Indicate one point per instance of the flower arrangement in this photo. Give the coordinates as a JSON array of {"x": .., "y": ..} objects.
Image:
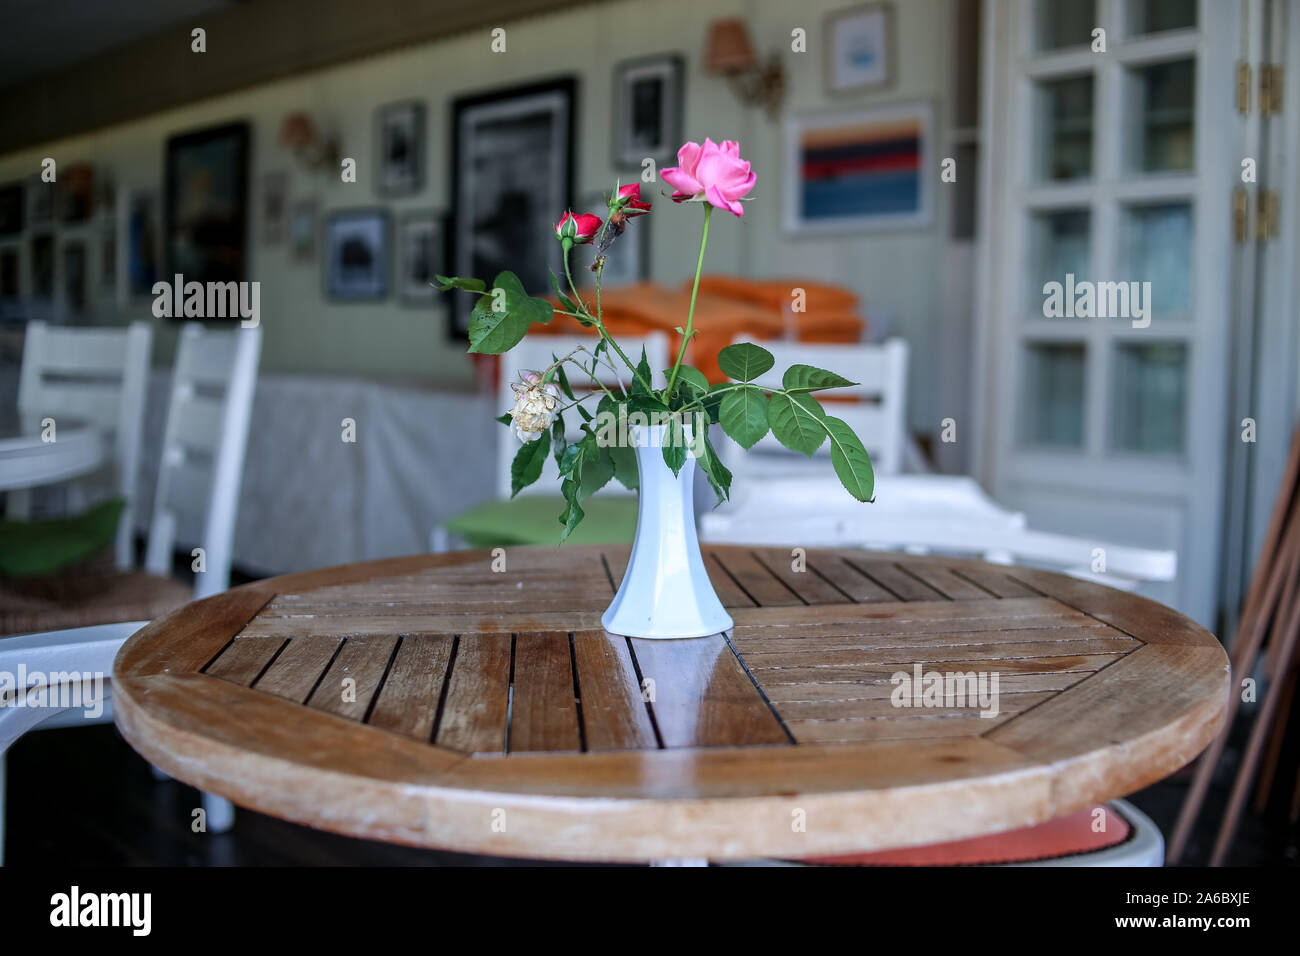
[{"x": 716, "y": 177}]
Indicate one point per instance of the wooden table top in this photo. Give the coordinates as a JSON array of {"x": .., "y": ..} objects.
[{"x": 432, "y": 701}]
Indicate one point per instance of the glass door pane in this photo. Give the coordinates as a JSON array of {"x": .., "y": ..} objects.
[
  {"x": 1060, "y": 245},
  {"x": 1150, "y": 395},
  {"x": 1052, "y": 403},
  {"x": 1064, "y": 123},
  {"x": 1064, "y": 23},
  {"x": 1162, "y": 103},
  {"x": 1156, "y": 244},
  {"x": 1157, "y": 16}
]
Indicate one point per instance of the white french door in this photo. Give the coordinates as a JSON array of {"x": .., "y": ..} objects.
[{"x": 1113, "y": 165}]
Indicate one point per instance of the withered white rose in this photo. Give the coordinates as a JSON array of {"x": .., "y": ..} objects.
[{"x": 534, "y": 409}]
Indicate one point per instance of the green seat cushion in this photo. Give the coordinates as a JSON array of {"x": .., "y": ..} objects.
[
  {"x": 535, "y": 519},
  {"x": 31, "y": 549}
]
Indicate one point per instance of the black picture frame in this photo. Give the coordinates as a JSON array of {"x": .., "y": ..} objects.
[
  {"x": 12, "y": 209},
  {"x": 507, "y": 224},
  {"x": 635, "y": 80},
  {"x": 400, "y": 162},
  {"x": 415, "y": 287},
  {"x": 205, "y": 238},
  {"x": 357, "y": 287}
]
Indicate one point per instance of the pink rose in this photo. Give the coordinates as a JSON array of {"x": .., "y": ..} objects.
[
  {"x": 629, "y": 201},
  {"x": 711, "y": 173},
  {"x": 580, "y": 228}
]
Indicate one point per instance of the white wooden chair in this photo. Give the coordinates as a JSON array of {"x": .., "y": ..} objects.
[
  {"x": 95, "y": 376},
  {"x": 535, "y": 353},
  {"x": 919, "y": 514},
  {"x": 874, "y": 408},
  {"x": 204, "y": 440}
]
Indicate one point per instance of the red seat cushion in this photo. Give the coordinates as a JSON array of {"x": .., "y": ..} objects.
[{"x": 1063, "y": 836}]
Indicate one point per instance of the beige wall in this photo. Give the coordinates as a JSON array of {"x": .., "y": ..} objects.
[{"x": 897, "y": 272}]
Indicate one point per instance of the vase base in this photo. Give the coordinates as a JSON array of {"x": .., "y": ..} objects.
[{"x": 640, "y": 630}]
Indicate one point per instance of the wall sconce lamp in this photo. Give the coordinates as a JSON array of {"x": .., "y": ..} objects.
[
  {"x": 299, "y": 133},
  {"x": 730, "y": 54}
]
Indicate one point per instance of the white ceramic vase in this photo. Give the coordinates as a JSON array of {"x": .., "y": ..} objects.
[{"x": 665, "y": 592}]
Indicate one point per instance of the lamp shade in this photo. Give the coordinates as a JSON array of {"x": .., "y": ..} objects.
[{"x": 729, "y": 48}]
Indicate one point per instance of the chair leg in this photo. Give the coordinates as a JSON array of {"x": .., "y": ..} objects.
[
  {"x": 220, "y": 813},
  {"x": 3, "y": 757},
  {"x": 438, "y": 542}
]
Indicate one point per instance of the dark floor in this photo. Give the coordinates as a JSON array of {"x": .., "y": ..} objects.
[{"x": 82, "y": 796}]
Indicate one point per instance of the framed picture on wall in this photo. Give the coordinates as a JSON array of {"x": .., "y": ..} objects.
[
  {"x": 512, "y": 176},
  {"x": 11, "y": 209},
  {"x": 10, "y": 282},
  {"x": 40, "y": 201},
  {"x": 141, "y": 244},
  {"x": 356, "y": 244},
  {"x": 647, "y": 120},
  {"x": 860, "y": 49},
  {"x": 42, "y": 261},
  {"x": 273, "y": 206},
  {"x": 206, "y": 204},
  {"x": 859, "y": 170},
  {"x": 628, "y": 258},
  {"x": 302, "y": 229},
  {"x": 401, "y": 148},
  {"x": 421, "y": 256},
  {"x": 74, "y": 276}
]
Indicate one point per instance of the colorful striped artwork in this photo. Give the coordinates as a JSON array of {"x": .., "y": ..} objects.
[{"x": 864, "y": 169}]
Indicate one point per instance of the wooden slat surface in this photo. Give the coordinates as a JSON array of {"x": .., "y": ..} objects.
[
  {"x": 544, "y": 714},
  {"x": 507, "y": 682}
]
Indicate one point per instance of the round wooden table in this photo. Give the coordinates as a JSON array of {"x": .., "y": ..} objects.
[
  {"x": 437, "y": 701},
  {"x": 28, "y": 461}
]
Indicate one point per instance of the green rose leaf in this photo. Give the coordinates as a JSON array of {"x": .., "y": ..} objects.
[
  {"x": 597, "y": 470},
  {"x": 456, "y": 282},
  {"x": 558, "y": 442},
  {"x": 744, "y": 361},
  {"x": 527, "y": 466},
  {"x": 491, "y": 331},
  {"x": 805, "y": 378},
  {"x": 569, "y": 304},
  {"x": 717, "y": 473},
  {"x": 573, "y": 513},
  {"x": 625, "y": 470},
  {"x": 743, "y": 415},
  {"x": 796, "y": 422},
  {"x": 674, "y": 445},
  {"x": 691, "y": 383},
  {"x": 850, "y": 459},
  {"x": 562, "y": 379},
  {"x": 642, "y": 374},
  {"x": 505, "y": 419}
]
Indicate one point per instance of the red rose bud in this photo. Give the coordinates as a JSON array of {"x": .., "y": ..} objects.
[
  {"x": 628, "y": 201},
  {"x": 579, "y": 229}
]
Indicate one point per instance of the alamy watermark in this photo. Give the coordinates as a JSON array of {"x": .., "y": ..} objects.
[
  {"x": 1085, "y": 299},
  {"x": 946, "y": 690},
  {"x": 636, "y": 429},
  {"x": 60, "y": 690},
  {"x": 208, "y": 300}
]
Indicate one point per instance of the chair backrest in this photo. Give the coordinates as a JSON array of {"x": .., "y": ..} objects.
[
  {"x": 97, "y": 377},
  {"x": 875, "y": 411},
  {"x": 534, "y": 354},
  {"x": 203, "y": 449}
]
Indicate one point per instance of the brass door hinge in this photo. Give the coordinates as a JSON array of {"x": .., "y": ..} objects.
[
  {"x": 1239, "y": 214},
  {"x": 1270, "y": 89},
  {"x": 1266, "y": 215},
  {"x": 1243, "y": 87}
]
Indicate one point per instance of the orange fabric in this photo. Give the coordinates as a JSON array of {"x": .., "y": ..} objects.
[
  {"x": 727, "y": 306},
  {"x": 774, "y": 294},
  {"x": 1064, "y": 836}
]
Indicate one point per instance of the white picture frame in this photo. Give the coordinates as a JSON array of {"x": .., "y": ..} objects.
[
  {"x": 860, "y": 49},
  {"x": 859, "y": 170}
]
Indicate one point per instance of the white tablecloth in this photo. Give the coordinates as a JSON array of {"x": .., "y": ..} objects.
[{"x": 309, "y": 499}]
